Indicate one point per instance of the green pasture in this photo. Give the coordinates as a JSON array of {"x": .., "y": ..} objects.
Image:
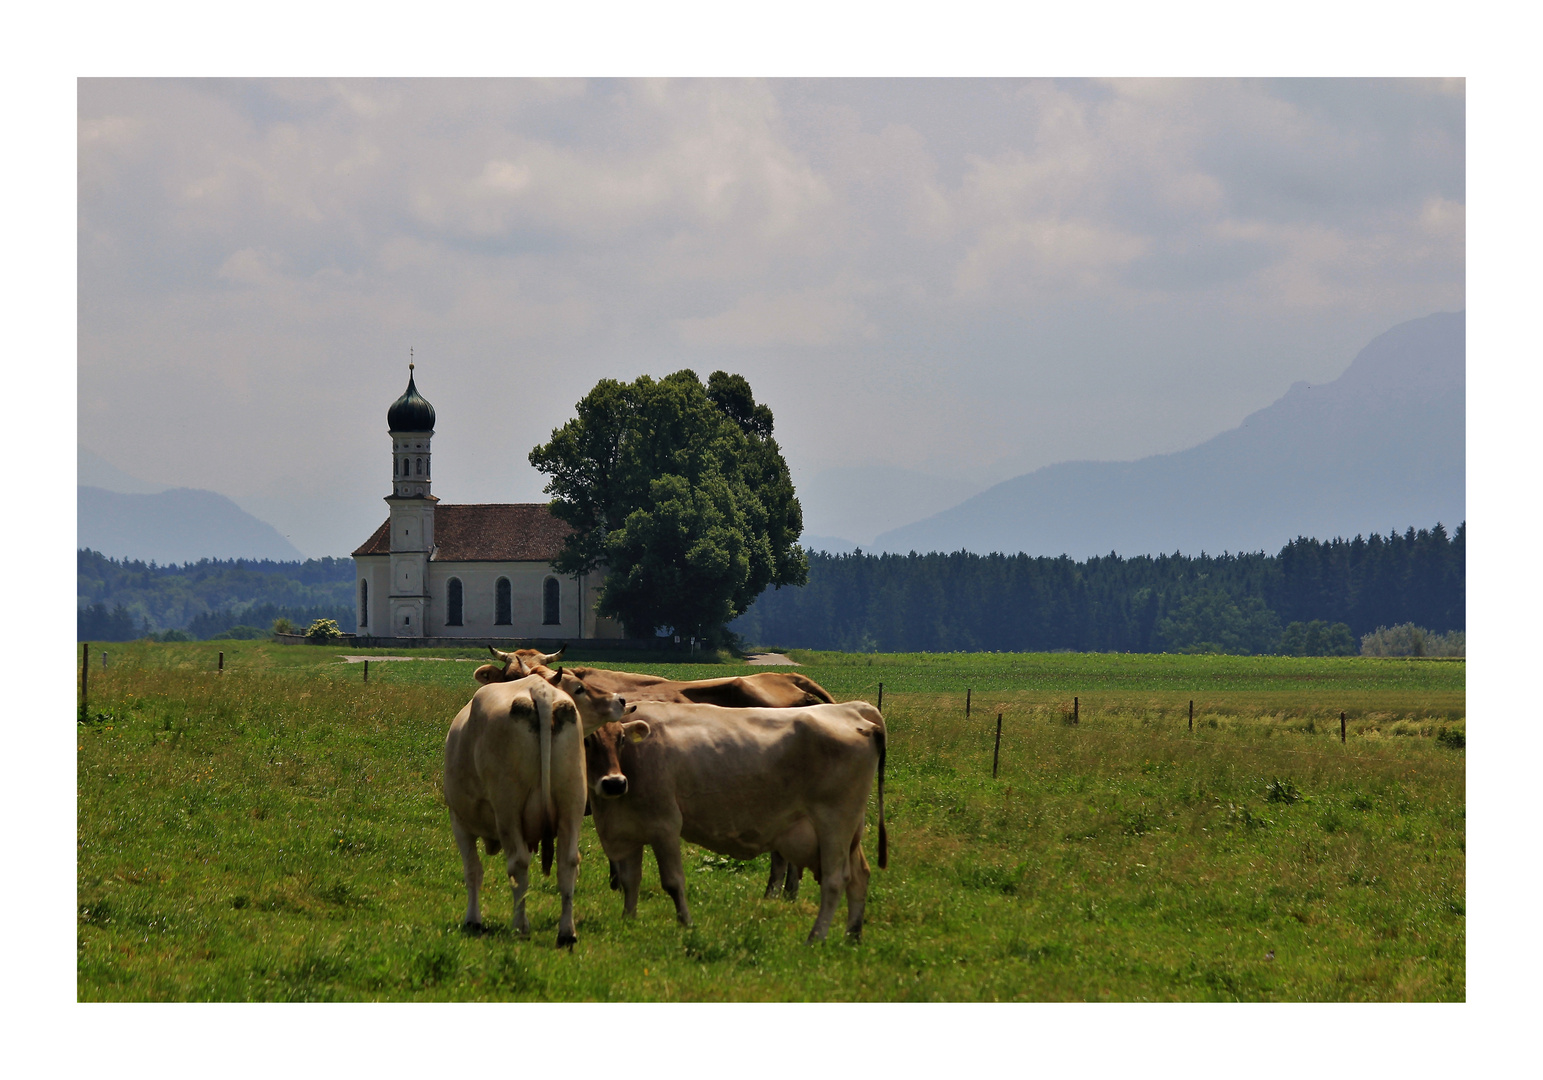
[{"x": 275, "y": 832}]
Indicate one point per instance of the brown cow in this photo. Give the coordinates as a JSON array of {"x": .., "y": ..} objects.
[
  {"x": 741, "y": 782},
  {"x": 514, "y": 776},
  {"x": 767, "y": 689}
]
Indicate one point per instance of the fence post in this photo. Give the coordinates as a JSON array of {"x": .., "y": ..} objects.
[
  {"x": 85, "y": 668},
  {"x": 1342, "y": 729},
  {"x": 222, "y": 662},
  {"x": 966, "y": 703},
  {"x": 366, "y": 671},
  {"x": 996, "y": 750},
  {"x": 104, "y": 659},
  {"x": 881, "y": 697},
  {"x": 1192, "y": 714},
  {"x": 1075, "y": 708}
]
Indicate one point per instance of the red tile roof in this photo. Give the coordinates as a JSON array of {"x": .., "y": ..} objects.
[{"x": 486, "y": 532}]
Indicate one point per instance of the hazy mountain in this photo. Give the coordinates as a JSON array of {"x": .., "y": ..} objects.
[
  {"x": 92, "y": 470},
  {"x": 861, "y": 501},
  {"x": 1380, "y": 447},
  {"x": 833, "y": 545},
  {"x": 180, "y": 525}
]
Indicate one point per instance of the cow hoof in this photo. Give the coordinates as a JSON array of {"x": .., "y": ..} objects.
[
  {"x": 567, "y": 941},
  {"x": 473, "y": 928}
]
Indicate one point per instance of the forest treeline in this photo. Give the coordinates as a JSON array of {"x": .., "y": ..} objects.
[
  {"x": 120, "y": 601},
  {"x": 1314, "y": 596}
]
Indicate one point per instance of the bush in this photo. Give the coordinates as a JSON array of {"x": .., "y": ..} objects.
[
  {"x": 282, "y": 625},
  {"x": 242, "y": 633},
  {"x": 1317, "y": 638},
  {"x": 173, "y": 635},
  {"x": 323, "y": 631},
  {"x": 1407, "y": 639}
]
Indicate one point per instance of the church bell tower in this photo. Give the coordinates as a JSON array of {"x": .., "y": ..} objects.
[{"x": 410, "y": 422}]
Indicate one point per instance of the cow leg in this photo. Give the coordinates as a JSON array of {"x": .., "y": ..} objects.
[
  {"x": 779, "y": 868},
  {"x": 795, "y": 875},
  {"x": 517, "y": 863},
  {"x": 832, "y": 877},
  {"x": 628, "y": 871},
  {"x": 471, "y": 870},
  {"x": 672, "y": 875},
  {"x": 857, "y": 888},
  {"x": 567, "y": 875}
]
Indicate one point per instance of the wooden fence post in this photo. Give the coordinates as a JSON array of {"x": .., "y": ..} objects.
[
  {"x": 997, "y": 750},
  {"x": 881, "y": 697},
  {"x": 85, "y": 668},
  {"x": 1342, "y": 729},
  {"x": 967, "y": 703},
  {"x": 367, "y": 673},
  {"x": 1192, "y": 714},
  {"x": 1075, "y": 708},
  {"x": 104, "y": 659},
  {"x": 222, "y": 662}
]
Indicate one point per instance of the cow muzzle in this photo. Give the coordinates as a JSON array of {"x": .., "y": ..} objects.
[{"x": 613, "y": 786}]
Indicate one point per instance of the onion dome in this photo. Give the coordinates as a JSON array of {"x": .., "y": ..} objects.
[{"x": 411, "y": 411}]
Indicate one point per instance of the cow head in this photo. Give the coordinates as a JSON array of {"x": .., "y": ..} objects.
[
  {"x": 515, "y": 665},
  {"x": 596, "y": 707},
  {"x": 602, "y": 759}
]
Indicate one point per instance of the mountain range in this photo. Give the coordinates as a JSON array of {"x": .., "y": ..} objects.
[
  {"x": 1382, "y": 446},
  {"x": 124, "y": 517}
]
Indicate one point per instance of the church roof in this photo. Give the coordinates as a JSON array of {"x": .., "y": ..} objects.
[
  {"x": 411, "y": 411},
  {"x": 486, "y": 532}
]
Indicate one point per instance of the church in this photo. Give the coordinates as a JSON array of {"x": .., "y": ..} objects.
[{"x": 480, "y": 571}]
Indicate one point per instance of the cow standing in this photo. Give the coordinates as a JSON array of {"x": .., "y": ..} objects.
[
  {"x": 741, "y": 782},
  {"x": 514, "y": 777},
  {"x": 767, "y": 689}
]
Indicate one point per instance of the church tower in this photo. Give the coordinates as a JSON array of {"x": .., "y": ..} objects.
[{"x": 410, "y": 422}]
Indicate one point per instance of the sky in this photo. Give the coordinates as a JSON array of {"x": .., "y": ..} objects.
[{"x": 961, "y": 278}]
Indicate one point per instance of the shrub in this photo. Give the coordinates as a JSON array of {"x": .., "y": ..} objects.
[
  {"x": 1451, "y": 737},
  {"x": 322, "y": 631},
  {"x": 242, "y": 633},
  {"x": 1407, "y": 639},
  {"x": 282, "y": 625},
  {"x": 1281, "y": 791},
  {"x": 174, "y": 635},
  {"x": 1317, "y": 638}
]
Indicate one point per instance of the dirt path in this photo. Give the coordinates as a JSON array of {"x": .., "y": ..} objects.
[{"x": 770, "y": 658}]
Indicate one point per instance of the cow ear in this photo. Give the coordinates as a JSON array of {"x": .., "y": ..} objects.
[
  {"x": 487, "y": 673},
  {"x": 636, "y": 730}
]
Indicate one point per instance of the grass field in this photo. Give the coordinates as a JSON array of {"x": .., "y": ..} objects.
[{"x": 275, "y": 832}]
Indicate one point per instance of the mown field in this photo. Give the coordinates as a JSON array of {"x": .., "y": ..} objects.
[{"x": 275, "y": 832}]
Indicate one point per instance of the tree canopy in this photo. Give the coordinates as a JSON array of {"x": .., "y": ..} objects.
[{"x": 680, "y": 491}]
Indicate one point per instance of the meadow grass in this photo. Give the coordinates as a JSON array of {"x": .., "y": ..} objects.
[{"x": 276, "y": 833}]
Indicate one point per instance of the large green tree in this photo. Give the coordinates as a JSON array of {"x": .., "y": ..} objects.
[{"x": 680, "y": 491}]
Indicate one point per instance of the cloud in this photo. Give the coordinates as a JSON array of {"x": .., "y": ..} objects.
[{"x": 981, "y": 262}]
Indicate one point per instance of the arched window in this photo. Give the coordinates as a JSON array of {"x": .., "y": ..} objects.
[
  {"x": 503, "y": 603},
  {"x": 453, "y": 602},
  {"x": 364, "y": 602},
  {"x": 420, "y": 466},
  {"x": 550, "y": 595},
  {"x": 396, "y": 467}
]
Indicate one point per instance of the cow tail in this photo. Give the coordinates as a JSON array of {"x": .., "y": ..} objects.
[
  {"x": 546, "y": 854},
  {"x": 883, "y": 834},
  {"x": 544, "y": 724}
]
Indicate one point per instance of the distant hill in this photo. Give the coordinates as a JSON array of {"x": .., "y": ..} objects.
[
  {"x": 180, "y": 525},
  {"x": 1380, "y": 447}
]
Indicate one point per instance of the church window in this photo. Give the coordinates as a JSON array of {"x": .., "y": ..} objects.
[
  {"x": 550, "y": 610},
  {"x": 364, "y": 603},
  {"x": 420, "y": 466},
  {"x": 453, "y": 602},
  {"x": 503, "y": 603}
]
